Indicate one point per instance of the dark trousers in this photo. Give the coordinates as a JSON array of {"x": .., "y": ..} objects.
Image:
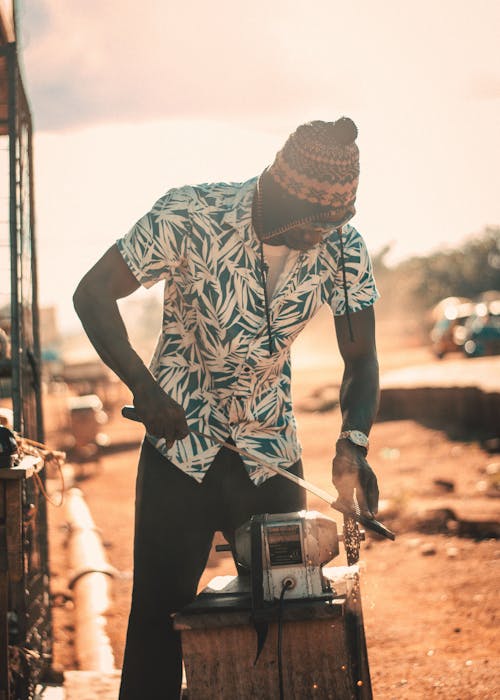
[{"x": 176, "y": 518}]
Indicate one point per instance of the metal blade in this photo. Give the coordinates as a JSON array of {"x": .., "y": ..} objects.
[{"x": 369, "y": 523}]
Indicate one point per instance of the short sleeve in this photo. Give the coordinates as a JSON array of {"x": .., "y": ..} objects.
[
  {"x": 361, "y": 288},
  {"x": 158, "y": 240}
]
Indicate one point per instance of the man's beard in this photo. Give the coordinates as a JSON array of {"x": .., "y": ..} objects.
[{"x": 291, "y": 239}]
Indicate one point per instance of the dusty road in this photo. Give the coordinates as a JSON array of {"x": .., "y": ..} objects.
[{"x": 430, "y": 600}]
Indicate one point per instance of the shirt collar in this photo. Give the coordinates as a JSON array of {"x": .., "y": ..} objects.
[{"x": 240, "y": 214}]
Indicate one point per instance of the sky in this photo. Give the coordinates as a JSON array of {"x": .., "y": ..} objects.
[{"x": 130, "y": 99}]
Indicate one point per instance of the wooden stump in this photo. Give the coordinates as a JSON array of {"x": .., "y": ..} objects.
[{"x": 323, "y": 648}]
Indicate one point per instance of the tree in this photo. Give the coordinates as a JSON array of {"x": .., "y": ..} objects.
[{"x": 420, "y": 282}]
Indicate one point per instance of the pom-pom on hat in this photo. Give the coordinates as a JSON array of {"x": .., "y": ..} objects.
[{"x": 319, "y": 164}]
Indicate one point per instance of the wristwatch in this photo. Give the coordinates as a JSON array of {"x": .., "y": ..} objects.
[{"x": 356, "y": 437}]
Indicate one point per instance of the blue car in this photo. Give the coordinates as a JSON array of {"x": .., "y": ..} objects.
[{"x": 482, "y": 330}]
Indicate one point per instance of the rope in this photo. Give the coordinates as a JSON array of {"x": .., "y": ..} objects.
[
  {"x": 41, "y": 487},
  {"x": 38, "y": 449}
]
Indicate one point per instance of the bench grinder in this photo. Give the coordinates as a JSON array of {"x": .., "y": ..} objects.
[{"x": 287, "y": 550}]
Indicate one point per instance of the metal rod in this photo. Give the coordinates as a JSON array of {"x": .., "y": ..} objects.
[
  {"x": 34, "y": 292},
  {"x": 324, "y": 495},
  {"x": 372, "y": 524},
  {"x": 14, "y": 305}
]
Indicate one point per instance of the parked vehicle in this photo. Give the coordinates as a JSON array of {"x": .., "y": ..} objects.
[
  {"x": 450, "y": 316},
  {"x": 482, "y": 330}
]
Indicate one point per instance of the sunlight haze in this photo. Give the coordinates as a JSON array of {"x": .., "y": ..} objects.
[{"x": 131, "y": 99}]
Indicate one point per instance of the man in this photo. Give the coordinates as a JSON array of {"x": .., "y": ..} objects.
[{"x": 244, "y": 267}]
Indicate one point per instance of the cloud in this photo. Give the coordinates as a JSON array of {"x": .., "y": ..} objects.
[
  {"x": 143, "y": 96},
  {"x": 111, "y": 61},
  {"x": 94, "y": 61}
]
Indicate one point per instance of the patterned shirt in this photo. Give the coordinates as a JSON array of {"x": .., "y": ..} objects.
[{"x": 212, "y": 356}]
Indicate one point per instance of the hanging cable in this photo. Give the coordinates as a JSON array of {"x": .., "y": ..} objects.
[
  {"x": 263, "y": 265},
  {"x": 263, "y": 274},
  {"x": 344, "y": 284},
  {"x": 286, "y": 585}
]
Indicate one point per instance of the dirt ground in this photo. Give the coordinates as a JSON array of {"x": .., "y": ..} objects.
[{"x": 429, "y": 600}]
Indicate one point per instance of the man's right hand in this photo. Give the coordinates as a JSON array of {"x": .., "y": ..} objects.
[{"x": 162, "y": 416}]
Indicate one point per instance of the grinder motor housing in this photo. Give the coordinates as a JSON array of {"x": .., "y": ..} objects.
[{"x": 287, "y": 550}]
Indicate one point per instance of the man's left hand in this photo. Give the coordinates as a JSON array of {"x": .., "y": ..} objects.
[{"x": 351, "y": 471}]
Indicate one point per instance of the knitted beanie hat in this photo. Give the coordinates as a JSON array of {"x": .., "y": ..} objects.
[{"x": 319, "y": 164}]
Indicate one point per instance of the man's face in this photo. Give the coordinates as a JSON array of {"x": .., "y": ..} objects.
[{"x": 306, "y": 236}]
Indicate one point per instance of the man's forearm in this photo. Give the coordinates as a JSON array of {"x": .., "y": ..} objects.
[
  {"x": 360, "y": 393},
  {"x": 104, "y": 326}
]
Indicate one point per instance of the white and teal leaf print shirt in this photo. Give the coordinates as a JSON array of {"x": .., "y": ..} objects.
[{"x": 213, "y": 356}]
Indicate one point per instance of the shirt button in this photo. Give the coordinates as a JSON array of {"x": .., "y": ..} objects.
[{"x": 246, "y": 369}]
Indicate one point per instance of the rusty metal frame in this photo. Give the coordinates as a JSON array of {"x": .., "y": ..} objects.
[
  {"x": 26, "y": 356},
  {"x": 24, "y": 579}
]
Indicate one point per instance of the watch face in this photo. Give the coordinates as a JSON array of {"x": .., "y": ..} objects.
[{"x": 358, "y": 438}]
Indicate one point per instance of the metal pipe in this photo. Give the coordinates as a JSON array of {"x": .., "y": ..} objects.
[{"x": 90, "y": 581}]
